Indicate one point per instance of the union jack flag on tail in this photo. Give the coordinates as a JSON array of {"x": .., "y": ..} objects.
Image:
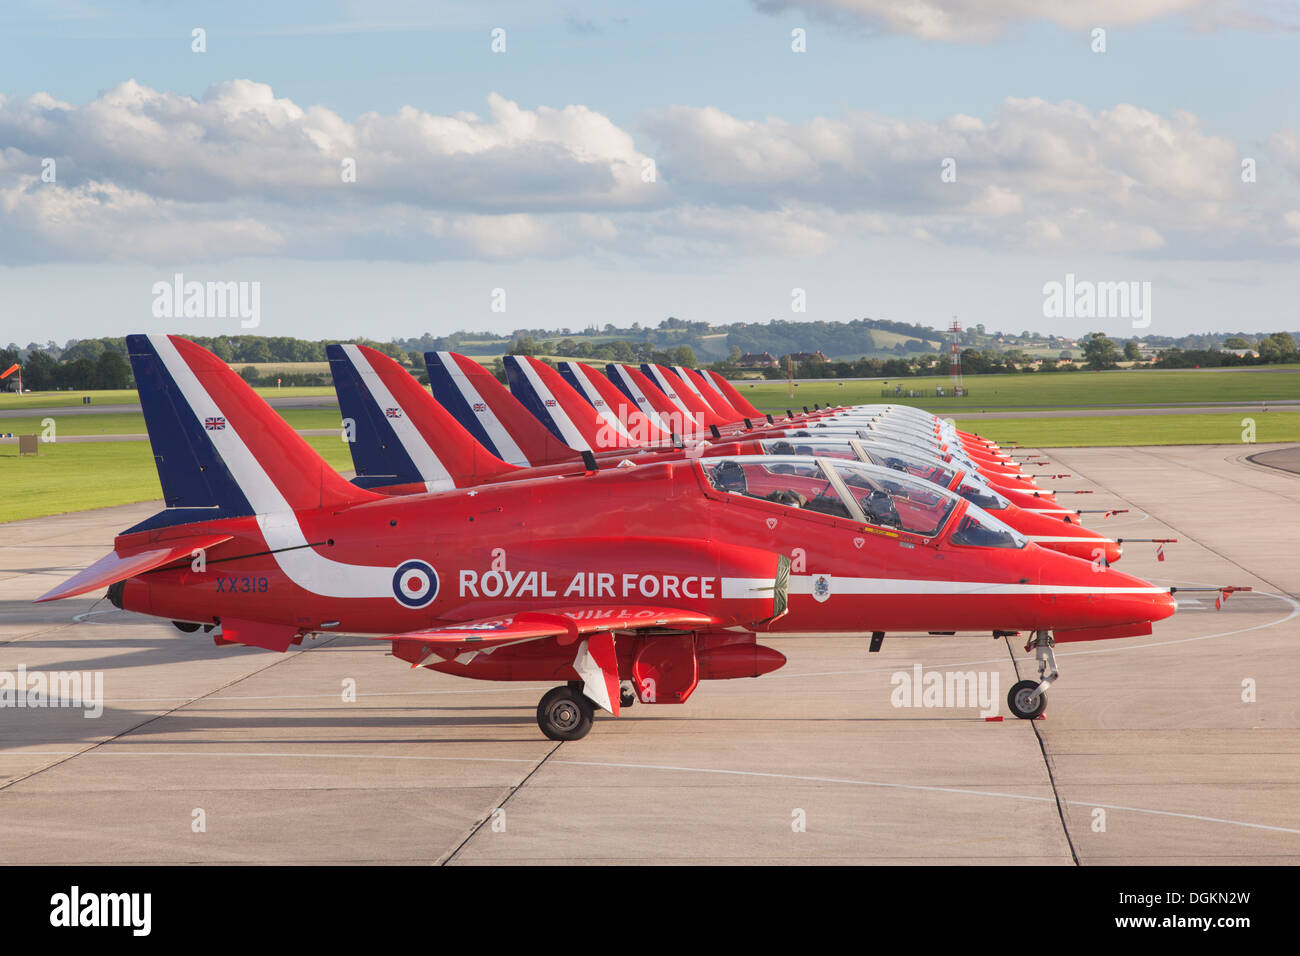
[{"x": 214, "y": 424}]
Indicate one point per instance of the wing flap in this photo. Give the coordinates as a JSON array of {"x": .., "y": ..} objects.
[{"x": 566, "y": 624}]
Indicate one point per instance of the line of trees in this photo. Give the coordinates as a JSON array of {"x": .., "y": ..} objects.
[
  {"x": 101, "y": 363},
  {"x": 43, "y": 373}
]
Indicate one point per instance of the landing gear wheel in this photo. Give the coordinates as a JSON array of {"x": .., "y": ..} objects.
[
  {"x": 186, "y": 627},
  {"x": 565, "y": 714},
  {"x": 626, "y": 695},
  {"x": 1019, "y": 700}
]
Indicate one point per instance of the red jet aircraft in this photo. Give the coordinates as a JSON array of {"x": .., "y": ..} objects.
[
  {"x": 404, "y": 442},
  {"x": 662, "y": 574}
]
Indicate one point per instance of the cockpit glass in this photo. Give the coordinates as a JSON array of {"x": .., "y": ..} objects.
[
  {"x": 896, "y": 501},
  {"x": 982, "y": 495},
  {"x": 819, "y": 448},
  {"x": 885, "y": 497},
  {"x": 793, "y": 482},
  {"x": 914, "y": 465},
  {"x": 979, "y": 529},
  {"x": 927, "y": 446}
]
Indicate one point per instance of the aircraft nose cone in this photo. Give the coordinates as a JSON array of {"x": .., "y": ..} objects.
[
  {"x": 1105, "y": 598},
  {"x": 1071, "y": 539},
  {"x": 1166, "y": 606},
  {"x": 1136, "y": 599}
]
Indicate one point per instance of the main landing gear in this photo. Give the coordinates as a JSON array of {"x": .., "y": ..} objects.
[
  {"x": 565, "y": 713},
  {"x": 1028, "y": 698}
]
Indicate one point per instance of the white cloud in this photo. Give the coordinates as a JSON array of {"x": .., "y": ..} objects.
[
  {"x": 239, "y": 138},
  {"x": 1119, "y": 178},
  {"x": 158, "y": 177},
  {"x": 983, "y": 20}
]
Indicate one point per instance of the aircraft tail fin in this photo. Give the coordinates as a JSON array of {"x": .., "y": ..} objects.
[
  {"x": 220, "y": 450},
  {"x": 650, "y": 398},
  {"x": 705, "y": 389},
  {"x": 681, "y": 396},
  {"x": 738, "y": 401},
  {"x": 558, "y": 405},
  {"x": 612, "y": 404},
  {"x": 399, "y": 436},
  {"x": 491, "y": 414}
]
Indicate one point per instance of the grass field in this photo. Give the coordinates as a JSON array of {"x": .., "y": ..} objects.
[
  {"x": 127, "y": 396},
  {"x": 81, "y": 475},
  {"x": 1105, "y": 430},
  {"x": 84, "y": 475},
  {"x": 1039, "y": 390},
  {"x": 1044, "y": 390},
  {"x": 269, "y": 370},
  {"x": 132, "y": 423}
]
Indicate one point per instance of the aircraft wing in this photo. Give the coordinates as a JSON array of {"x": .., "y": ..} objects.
[{"x": 595, "y": 658}]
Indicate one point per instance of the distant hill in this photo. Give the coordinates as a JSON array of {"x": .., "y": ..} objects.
[{"x": 99, "y": 363}]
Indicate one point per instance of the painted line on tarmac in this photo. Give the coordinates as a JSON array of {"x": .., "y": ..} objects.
[
  {"x": 333, "y": 696},
  {"x": 668, "y": 768}
]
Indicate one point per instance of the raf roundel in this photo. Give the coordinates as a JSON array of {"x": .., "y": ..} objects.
[{"x": 415, "y": 583}]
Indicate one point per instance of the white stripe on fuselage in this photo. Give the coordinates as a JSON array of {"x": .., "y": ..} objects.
[
  {"x": 304, "y": 566},
  {"x": 1052, "y": 539},
  {"x": 501, "y": 438},
  {"x": 435, "y": 475},
  {"x": 911, "y": 587}
]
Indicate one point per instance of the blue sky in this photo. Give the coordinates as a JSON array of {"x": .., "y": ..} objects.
[
  {"x": 753, "y": 199},
  {"x": 623, "y": 59}
]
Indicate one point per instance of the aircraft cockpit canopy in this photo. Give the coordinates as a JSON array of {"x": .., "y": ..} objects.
[{"x": 858, "y": 492}]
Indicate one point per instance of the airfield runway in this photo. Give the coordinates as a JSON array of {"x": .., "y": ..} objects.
[{"x": 1148, "y": 753}]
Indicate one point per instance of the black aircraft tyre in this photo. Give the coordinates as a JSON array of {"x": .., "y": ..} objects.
[
  {"x": 565, "y": 714},
  {"x": 1018, "y": 700}
]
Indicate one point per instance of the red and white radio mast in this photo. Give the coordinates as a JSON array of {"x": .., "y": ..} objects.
[{"x": 955, "y": 356}]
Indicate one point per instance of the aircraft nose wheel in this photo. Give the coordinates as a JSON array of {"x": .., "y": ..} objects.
[
  {"x": 565, "y": 714},
  {"x": 1028, "y": 698},
  {"x": 626, "y": 694},
  {"x": 1022, "y": 702}
]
